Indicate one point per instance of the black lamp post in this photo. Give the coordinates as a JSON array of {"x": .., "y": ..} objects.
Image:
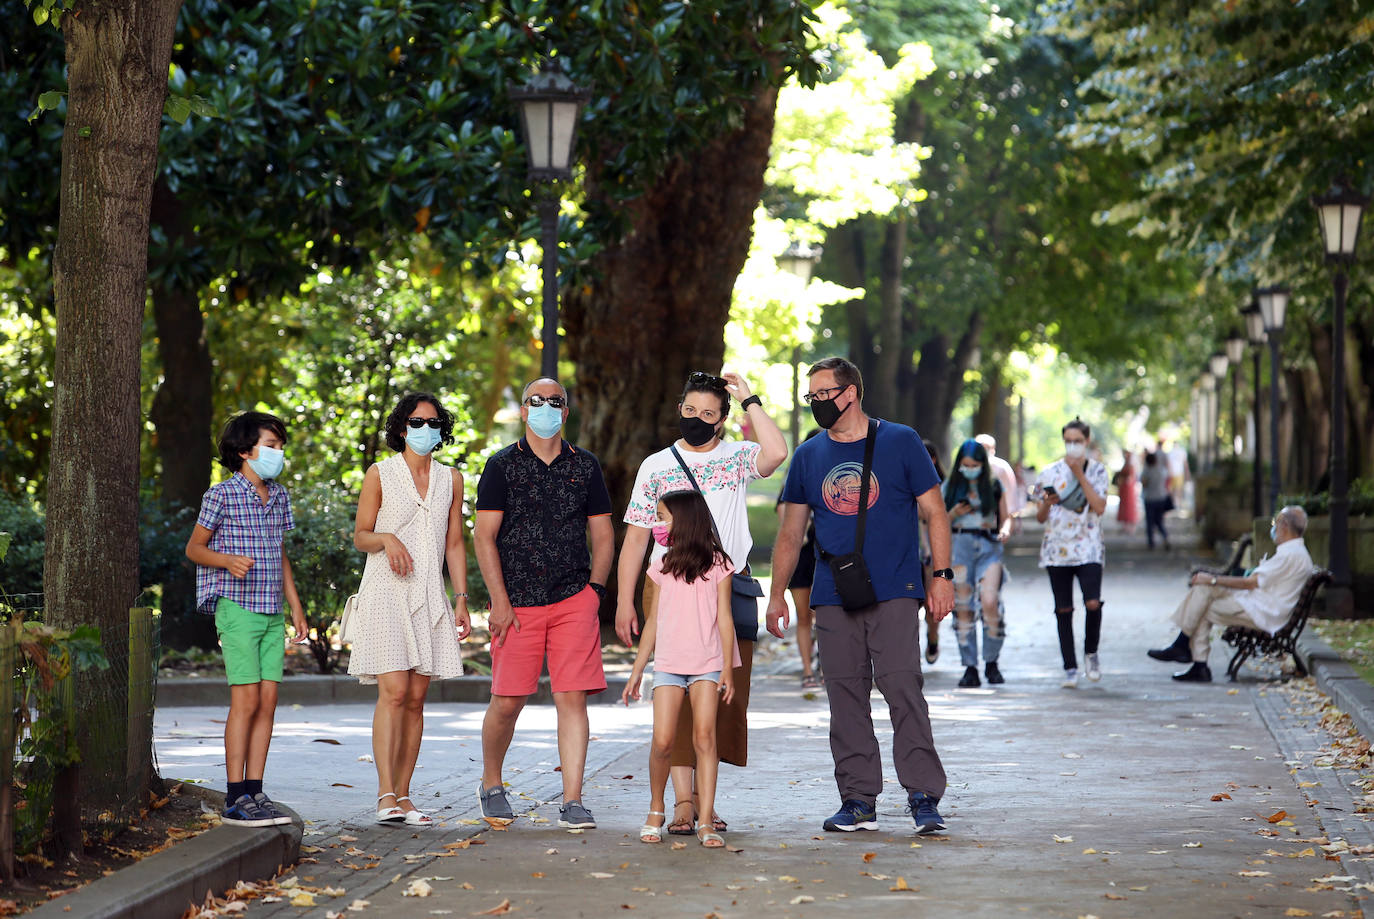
[
  {"x": 1217, "y": 363},
  {"x": 549, "y": 106},
  {"x": 1341, "y": 209},
  {"x": 1254, "y": 332},
  {"x": 1273, "y": 304},
  {"x": 799, "y": 259},
  {"x": 1235, "y": 351}
]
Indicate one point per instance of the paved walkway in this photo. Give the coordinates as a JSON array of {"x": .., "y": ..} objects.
[{"x": 1094, "y": 802}]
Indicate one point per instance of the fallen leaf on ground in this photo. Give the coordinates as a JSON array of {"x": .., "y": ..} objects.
[
  {"x": 1222, "y": 796},
  {"x": 303, "y": 899},
  {"x": 902, "y": 885},
  {"x": 1089, "y": 851},
  {"x": 1276, "y": 817},
  {"x": 348, "y": 839},
  {"x": 328, "y": 740},
  {"x": 1254, "y": 874},
  {"x": 359, "y": 905},
  {"x": 1058, "y": 838},
  {"x": 418, "y": 888},
  {"x": 1113, "y": 896},
  {"x": 496, "y": 824},
  {"x": 1192, "y": 845},
  {"x": 801, "y": 898},
  {"x": 786, "y": 879},
  {"x": 679, "y": 845},
  {"x": 466, "y": 886},
  {"x": 500, "y": 909},
  {"x": 601, "y": 875},
  {"x": 339, "y": 785},
  {"x": 869, "y": 856},
  {"x": 1294, "y": 911}
]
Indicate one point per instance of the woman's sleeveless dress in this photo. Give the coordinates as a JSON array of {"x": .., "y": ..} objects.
[{"x": 406, "y": 623}]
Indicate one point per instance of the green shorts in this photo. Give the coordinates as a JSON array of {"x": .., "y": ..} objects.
[{"x": 254, "y": 644}]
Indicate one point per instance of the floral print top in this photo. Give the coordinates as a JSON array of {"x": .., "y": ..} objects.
[{"x": 1072, "y": 538}]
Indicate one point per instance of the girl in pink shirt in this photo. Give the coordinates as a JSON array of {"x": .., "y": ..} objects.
[{"x": 690, "y": 625}]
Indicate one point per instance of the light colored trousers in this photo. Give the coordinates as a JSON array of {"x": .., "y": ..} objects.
[{"x": 1203, "y": 607}]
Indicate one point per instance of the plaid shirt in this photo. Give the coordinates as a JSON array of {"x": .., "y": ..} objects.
[{"x": 241, "y": 524}]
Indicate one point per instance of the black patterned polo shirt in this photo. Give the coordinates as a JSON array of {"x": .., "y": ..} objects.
[{"x": 543, "y": 536}]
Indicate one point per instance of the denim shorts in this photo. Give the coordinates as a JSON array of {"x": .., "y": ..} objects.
[{"x": 683, "y": 680}]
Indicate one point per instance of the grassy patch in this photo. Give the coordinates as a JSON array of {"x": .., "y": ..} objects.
[{"x": 1353, "y": 639}]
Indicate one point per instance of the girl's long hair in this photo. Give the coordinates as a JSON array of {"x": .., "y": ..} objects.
[
  {"x": 989, "y": 489},
  {"x": 695, "y": 549}
]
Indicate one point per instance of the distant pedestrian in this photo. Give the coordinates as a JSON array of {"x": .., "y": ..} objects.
[
  {"x": 403, "y": 630},
  {"x": 1128, "y": 499},
  {"x": 1154, "y": 485},
  {"x": 241, "y": 574},
  {"x": 537, "y": 501},
  {"x": 1011, "y": 485},
  {"x": 1073, "y": 498},
  {"x": 980, "y": 524},
  {"x": 868, "y": 484},
  {"x": 690, "y": 633}
]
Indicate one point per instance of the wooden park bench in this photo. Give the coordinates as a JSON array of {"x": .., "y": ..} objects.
[{"x": 1248, "y": 642}]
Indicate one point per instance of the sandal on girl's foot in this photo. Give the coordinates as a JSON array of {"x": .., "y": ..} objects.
[
  {"x": 809, "y": 681},
  {"x": 650, "y": 833},
  {"x": 683, "y": 826},
  {"x": 392, "y": 814},
  {"x": 710, "y": 840},
  {"x": 415, "y": 817}
]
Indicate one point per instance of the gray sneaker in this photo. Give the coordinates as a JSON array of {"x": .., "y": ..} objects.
[
  {"x": 244, "y": 811},
  {"x": 574, "y": 816},
  {"x": 494, "y": 804},
  {"x": 270, "y": 809}
]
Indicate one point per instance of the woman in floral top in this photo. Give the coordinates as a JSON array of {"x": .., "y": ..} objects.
[{"x": 1072, "y": 499}]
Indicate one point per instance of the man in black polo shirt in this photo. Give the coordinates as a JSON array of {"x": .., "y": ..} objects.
[{"x": 537, "y": 501}]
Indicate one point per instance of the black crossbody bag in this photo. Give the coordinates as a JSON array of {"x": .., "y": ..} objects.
[
  {"x": 850, "y": 570},
  {"x": 745, "y": 589}
]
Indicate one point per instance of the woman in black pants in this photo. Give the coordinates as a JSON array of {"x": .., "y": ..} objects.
[
  {"x": 1154, "y": 483},
  {"x": 1072, "y": 499}
]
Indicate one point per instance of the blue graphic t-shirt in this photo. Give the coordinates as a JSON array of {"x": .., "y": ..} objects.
[{"x": 825, "y": 475}]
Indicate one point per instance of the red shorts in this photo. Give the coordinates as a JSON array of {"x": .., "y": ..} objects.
[{"x": 567, "y": 632}]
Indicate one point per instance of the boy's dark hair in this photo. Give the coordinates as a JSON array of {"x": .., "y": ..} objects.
[
  {"x": 396, "y": 421},
  {"x": 700, "y": 381},
  {"x": 1078, "y": 424},
  {"x": 846, "y": 374},
  {"x": 695, "y": 548},
  {"x": 241, "y": 434}
]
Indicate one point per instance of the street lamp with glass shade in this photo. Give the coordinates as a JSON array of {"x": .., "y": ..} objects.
[
  {"x": 1340, "y": 211},
  {"x": 1273, "y": 304},
  {"x": 1254, "y": 333},
  {"x": 550, "y": 104},
  {"x": 799, "y": 259},
  {"x": 1235, "y": 352}
]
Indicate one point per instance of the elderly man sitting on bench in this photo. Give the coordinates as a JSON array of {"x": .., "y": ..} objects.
[{"x": 1261, "y": 600}]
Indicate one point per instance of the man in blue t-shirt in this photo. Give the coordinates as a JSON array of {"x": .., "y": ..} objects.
[{"x": 878, "y": 643}]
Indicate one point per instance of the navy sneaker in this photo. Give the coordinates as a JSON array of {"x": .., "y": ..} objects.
[
  {"x": 922, "y": 809},
  {"x": 269, "y": 809},
  {"x": 244, "y": 811},
  {"x": 853, "y": 815}
]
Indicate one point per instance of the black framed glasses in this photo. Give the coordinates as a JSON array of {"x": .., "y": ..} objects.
[
  {"x": 823, "y": 395},
  {"x": 702, "y": 378},
  {"x": 555, "y": 401},
  {"x": 418, "y": 423}
]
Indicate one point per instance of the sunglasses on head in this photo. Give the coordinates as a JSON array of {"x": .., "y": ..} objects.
[
  {"x": 555, "y": 401},
  {"x": 701, "y": 378},
  {"x": 421, "y": 422}
]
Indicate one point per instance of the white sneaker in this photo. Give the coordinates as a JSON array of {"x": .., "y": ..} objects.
[
  {"x": 1092, "y": 667},
  {"x": 1070, "y": 678}
]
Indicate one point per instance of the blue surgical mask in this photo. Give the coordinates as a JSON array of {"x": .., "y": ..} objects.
[
  {"x": 545, "y": 420},
  {"x": 269, "y": 462},
  {"x": 971, "y": 472},
  {"x": 422, "y": 440},
  {"x": 1274, "y": 532}
]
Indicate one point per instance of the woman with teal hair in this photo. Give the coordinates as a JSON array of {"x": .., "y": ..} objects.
[{"x": 979, "y": 524}]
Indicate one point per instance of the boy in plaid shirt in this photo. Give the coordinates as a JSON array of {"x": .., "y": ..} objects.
[{"x": 241, "y": 574}]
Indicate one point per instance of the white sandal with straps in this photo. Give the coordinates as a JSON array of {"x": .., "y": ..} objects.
[
  {"x": 392, "y": 814},
  {"x": 416, "y": 817},
  {"x": 648, "y": 833}
]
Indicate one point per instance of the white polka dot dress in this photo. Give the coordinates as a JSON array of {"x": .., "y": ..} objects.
[{"x": 406, "y": 623}]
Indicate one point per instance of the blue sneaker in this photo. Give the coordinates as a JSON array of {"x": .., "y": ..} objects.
[
  {"x": 853, "y": 815},
  {"x": 246, "y": 812},
  {"x": 922, "y": 809}
]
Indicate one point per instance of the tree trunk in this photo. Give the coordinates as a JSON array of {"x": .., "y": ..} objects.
[
  {"x": 117, "y": 56},
  {"x": 657, "y": 301},
  {"x": 940, "y": 381},
  {"x": 851, "y": 269},
  {"x": 183, "y": 416},
  {"x": 880, "y": 392},
  {"x": 991, "y": 401}
]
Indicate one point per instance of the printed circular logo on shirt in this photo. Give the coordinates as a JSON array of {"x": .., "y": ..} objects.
[{"x": 840, "y": 490}]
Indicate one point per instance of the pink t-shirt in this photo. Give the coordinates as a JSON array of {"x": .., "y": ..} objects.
[{"x": 688, "y": 638}]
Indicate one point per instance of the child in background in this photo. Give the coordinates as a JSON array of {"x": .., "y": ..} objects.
[
  {"x": 689, "y": 631},
  {"x": 241, "y": 574}
]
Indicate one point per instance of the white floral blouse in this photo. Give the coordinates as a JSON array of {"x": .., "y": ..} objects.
[{"x": 1072, "y": 538}]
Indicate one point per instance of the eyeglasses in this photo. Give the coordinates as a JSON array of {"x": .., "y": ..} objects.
[
  {"x": 418, "y": 423},
  {"x": 555, "y": 401},
  {"x": 823, "y": 395},
  {"x": 701, "y": 378}
]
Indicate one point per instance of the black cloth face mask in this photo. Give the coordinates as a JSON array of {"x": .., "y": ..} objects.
[
  {"x": 827, "y": 413},
  {"x": 695, "y": 431}
]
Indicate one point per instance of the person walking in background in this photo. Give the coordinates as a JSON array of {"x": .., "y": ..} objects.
[
  {"x": 241, "y": 575},
  {"x": 402, "y": 630},
  {"x": 799, "y": 587},
  {"x": 979, "y": 524},
  {"x": 1154, "y": 485},
  {"x": 1011, "y": 486},
  {"x": 932, "y": 624},
  {"x": 868, "y": 483},
  {"x": 537, "y": 501},
  {"x": 721, "y": 470},
  {"x": 1128, "y": 506},
  {"x": 690, "y": 633},
  {"x": 1072, "y": 500}
]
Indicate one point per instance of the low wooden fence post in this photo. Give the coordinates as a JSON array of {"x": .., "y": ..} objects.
[{"x": 143, "y": 642}]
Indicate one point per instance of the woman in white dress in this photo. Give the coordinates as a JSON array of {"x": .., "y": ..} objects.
[{"x": 403, "y": 631}]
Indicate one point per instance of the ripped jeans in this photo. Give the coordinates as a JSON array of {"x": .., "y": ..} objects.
[{"x": 977, "y": 592}]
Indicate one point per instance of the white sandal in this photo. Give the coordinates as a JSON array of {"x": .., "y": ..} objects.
[
  {"x": 416, "y": 817},
  {"x": 652, "y": 834},
  {"x": 392, "y": 814}
]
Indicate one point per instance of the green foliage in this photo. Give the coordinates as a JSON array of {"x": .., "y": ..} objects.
[
  {"x": 1361, "y": 493},
  {"x": 326, "y": 566},
  {"x": 21, "y": 567}
]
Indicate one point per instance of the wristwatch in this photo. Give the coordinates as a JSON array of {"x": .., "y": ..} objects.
[
  {"x": 750, "y": 400},
  {"x": 946, "y": 573},
  {"x": 599, "y": 588}
]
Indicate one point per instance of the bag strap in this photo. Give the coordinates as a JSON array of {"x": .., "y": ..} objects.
[{"x": 863, "y": 487}]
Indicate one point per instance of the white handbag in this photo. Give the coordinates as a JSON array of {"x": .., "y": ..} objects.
[{"x": 346, "y": 618}]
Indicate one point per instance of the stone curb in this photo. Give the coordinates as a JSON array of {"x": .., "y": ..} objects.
[
  {"x": 1336, "y": 678},
  {"x": 167, "y": 883},
  {"x": 338, "y": 689}
]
